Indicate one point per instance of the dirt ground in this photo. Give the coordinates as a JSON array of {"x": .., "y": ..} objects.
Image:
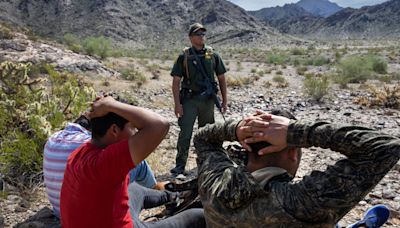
[{"x": 263, "y": 94}]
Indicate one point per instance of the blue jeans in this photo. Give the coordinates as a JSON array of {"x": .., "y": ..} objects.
[
  {"x": 144, "y": 198},
  {"x": 143, "y": 175}
]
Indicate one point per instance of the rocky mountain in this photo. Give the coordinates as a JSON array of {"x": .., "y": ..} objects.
[
  {"x": 367, "y": 22},
  {"x": 289, "y": 18},
  {"x": 379, "y": 21},
  {"x": 322, "y": 8},
  {"x": 138, "y": 23}
]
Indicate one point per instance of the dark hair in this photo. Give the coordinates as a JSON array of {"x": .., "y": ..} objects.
[
  {"x": 84, "y": 122},
  {"x": 100, "y": 125},
  {"x": 255, "y": 147}
]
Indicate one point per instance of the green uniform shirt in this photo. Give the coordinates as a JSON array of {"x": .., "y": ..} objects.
[{"x": 211, "y": 61}]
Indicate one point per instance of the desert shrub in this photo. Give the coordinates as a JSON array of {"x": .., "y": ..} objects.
[
  {"x": 239, "y": 66},
  {"x": 379, "y": 65},
  {"x": 239, "y": 81},
  {"x": 253, "y": 70},
  {"x": 30, "y": 110},
  {"x": 318, "y": 61},
  {"x": 386, "y": 78},
  {"x": 132, "y": 74},
  {"x": 298, "y": 51},
  {"x": 279, "y": 72},
  {"x": 279, "y": 79},
  {"x": 316, "y": 86},
  {"x": 387, "y": 96},
  {"x": 396, "y": 76},
  {"x": 5, "y": 33},
  {"x": 296, "y": 62},
  {"x": 99, "y": 46},
  {"x": 72, "y": 42},
  {"x": 353, "y": 69},
  {"x": 301, "y": 70},
  {"x": 276, "y": 58}
]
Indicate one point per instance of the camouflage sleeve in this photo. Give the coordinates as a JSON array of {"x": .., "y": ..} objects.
[
  {"x": 327, "y": 196},
  {"x": 177, "y": 69},
  {"x": 221, "y": 181}
]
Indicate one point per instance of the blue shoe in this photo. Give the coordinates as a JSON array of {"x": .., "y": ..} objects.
[{"x": 375, "y": 217}]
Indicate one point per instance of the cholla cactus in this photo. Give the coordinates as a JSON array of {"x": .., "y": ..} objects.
[{"x": 31, "y": 108}]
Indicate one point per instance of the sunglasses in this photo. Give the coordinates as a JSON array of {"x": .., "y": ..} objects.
[{"x": 199, "y": 34}]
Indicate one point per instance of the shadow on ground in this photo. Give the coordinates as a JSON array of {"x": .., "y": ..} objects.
[{"x": 42, "y": 219}]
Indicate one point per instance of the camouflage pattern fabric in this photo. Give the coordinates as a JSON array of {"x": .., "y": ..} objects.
[{"x": 232, "y": 197}]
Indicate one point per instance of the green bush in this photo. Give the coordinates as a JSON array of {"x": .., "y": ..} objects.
[
  {"x": 298, "y": 51},
  {"x": 301, "y": 70},
  {"x": 5, "y": 33},
  {"x": 354, "y": 69},
  {"x": 279, "y": 79},
  {"x": 132, "y": 74},
  {"x": 99, "y": 46},
  {"x": 359, "y": 68},
  {"x": 316, "y": 86},
  {"x": 276, "y": 58},
  {"x": 30, "y": 110},
  {"x": 72, "y": 42},
  {"x": 379, "y": 65},
  {"x": 318, "y": 61}
]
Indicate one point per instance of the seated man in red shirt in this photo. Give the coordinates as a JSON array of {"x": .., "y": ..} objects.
[{"x": 94, "y": 191}]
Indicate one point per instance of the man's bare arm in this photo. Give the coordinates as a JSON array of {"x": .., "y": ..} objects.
[{"x": 152, "y": 127}]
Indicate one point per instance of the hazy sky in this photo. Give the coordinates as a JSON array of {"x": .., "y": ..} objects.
[{"x": 258, "y": 4}]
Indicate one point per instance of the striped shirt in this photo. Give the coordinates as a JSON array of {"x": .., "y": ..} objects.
[{"x": 56, "y": 151}]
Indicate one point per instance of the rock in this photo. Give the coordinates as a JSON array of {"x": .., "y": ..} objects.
[
  {"x": 388, "y": 194},
  {"x": 34, "y": 224},
  {"x": 362, "y": 203},
  {"x": 347, "y": 114},
  {"x": 14, "y": 198},
  {"x": 20, "y": 209},
  {"x": 24, "y": 203},
  {"x": 1, "y": 221},
  {"x": 12, "y": 45}
]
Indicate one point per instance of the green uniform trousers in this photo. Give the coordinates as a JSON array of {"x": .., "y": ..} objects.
[{"x": 193, "y": 108}]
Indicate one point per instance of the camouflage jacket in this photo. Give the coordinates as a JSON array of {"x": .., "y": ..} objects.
[{"x": 232, "y": 197}]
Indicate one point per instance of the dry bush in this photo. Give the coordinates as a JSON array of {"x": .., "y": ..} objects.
[
  {"x": 388, "y": 97},
  {"x": 316, "y": 86},
  {"x": 301, "y": 70},
  {"x": 238, "y": 81}
]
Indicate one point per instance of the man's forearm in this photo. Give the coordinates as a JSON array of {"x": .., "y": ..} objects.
[
  {"x": 175, "y": 89},
  {"x": 222, "y": 87},
  {"x": 213, "y": 135},
  {"x": 370, "y": 155},
  {"x": 352, "y": 141}
]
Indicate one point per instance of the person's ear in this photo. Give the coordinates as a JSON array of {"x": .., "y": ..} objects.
[{"x": 114, "y": 130}]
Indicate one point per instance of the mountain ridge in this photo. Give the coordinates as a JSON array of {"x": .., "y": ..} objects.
[{"x": 138, "y": 23}]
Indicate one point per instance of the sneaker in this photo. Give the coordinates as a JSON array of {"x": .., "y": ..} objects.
[
  {"x": 179, "y": 169},
  {"x": 375, "y": 217},
  {"x": 181, "y": 177}
]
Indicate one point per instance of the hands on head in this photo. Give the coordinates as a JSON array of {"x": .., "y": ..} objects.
[
  {"x": 101, "y": 106},
  {"x": 262, "y": 126}
]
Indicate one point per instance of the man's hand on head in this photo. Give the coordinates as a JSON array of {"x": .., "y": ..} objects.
[
  {"x": 101, "y": 106},
  {"x": 242, "y": 131},
  {"x": 266, "y": 127}
]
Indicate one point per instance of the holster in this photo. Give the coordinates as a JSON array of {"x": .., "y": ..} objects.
[{"x": 185, "y": 94}]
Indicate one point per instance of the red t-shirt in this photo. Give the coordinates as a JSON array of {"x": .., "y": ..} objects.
[{"x": 94, "y": 192}]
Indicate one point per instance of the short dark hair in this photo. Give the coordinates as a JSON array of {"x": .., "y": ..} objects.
[
  {"x": 84, "y": 122},
  {"x": 255, "y": 147},
  {"x": 100, "y": 125}
]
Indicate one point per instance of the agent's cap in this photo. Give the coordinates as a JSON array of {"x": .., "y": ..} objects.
[{"x": 196, "y": 27}]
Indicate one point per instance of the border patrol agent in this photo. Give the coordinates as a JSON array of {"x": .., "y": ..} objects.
[{"x": 188, "y": 86}]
